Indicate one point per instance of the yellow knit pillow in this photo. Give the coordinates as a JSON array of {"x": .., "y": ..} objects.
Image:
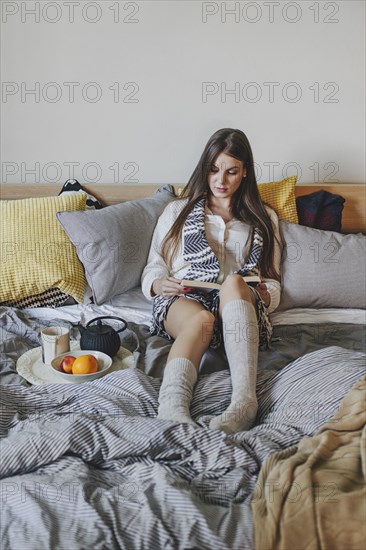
[
  {"x": 280, "y": 195},
  {"x": 36, "y": 253}
]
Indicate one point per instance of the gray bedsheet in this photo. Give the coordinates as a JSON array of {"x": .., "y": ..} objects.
[{"x": 90, "y": 466}]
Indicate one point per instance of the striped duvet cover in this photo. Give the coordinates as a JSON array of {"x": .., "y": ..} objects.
[{"x": 90, "y": 465}]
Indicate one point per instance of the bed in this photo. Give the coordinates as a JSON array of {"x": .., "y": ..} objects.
[{"x": 90, "y": 466}]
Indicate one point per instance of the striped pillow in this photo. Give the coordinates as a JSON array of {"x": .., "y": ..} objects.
[
  {"x": 53, "y": 297},
  {"x": 73, "y": 186}
]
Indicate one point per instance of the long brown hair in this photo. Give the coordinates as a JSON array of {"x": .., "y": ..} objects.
[{"x": 247, "y": 205}]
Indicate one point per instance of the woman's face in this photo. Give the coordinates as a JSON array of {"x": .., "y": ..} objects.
[{"x": 225, "y": 176}]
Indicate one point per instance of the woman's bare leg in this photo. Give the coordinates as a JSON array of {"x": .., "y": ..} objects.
[
  {"x": 240, "y": 331},
  {"x": 192, "y": 328}
]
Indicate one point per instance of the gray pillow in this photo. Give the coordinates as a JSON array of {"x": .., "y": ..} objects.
[
  {"x": 322, "y": 268},
  {"x": 113, "y": 243}
]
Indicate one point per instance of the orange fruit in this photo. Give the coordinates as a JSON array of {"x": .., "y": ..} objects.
[{"x": 85, "y": 364}]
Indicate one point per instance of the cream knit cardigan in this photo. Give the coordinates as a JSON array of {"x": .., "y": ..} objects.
[{"x": 156, "y": 268}]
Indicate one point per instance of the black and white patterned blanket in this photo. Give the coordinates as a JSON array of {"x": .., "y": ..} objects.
[{"x": 90, "y": 465}]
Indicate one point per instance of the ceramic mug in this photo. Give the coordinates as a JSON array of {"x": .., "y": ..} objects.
[{"x": 55, "y": 340}]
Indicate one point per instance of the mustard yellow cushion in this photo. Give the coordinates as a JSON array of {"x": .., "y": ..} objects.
[
  {"x": 36, "y": 253},
  {"x": 280, "y": 195}
]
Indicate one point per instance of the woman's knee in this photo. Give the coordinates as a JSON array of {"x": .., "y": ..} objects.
[
  {"x": 234, "y": 281},
  {"x": 202, "y": 323},
  {"x": 195, "y": 318},
  {"x": 198, "y": 325},
  {"x": 186, "y": 315},
  {"x": 235, "y": 288},
  {"x": 235, "y": 284}
]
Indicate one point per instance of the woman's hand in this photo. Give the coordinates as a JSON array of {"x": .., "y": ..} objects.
[
  {"x": 168, "y": 287},
  {"x": 261, "y": 288}
]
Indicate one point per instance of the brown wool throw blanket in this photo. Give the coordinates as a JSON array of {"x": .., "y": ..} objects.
[{"x": 312, "y": 495}]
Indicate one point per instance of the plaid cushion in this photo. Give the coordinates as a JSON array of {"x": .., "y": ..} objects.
[{"x": 321, "y": 210}]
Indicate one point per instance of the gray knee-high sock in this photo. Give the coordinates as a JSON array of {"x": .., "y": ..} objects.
[
  {"x": 240, "y": 329},
  {"x": 176, "y": 390}
]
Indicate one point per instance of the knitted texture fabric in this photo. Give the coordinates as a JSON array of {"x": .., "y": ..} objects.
[
  {"x": 240, "y": 329},
  {"x": 204, "y": 266},
  {"x": 196, "y": 250},
  {"x": 40, "y": 255},
  {"x": 180, "y": 377}
]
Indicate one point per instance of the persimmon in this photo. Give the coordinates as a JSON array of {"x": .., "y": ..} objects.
[{"x": 85, "y": 364}]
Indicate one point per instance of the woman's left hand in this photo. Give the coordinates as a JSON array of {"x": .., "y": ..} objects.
[{"x": 261, "y": 288}]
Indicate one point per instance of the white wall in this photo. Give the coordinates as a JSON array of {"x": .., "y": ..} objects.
[{"x": 309, "y": 51}]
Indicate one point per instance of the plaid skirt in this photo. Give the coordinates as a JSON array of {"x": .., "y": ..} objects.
[{"x": 210, "y": 301}]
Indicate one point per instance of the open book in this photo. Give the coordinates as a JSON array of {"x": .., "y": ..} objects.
[{"x": 251, "y": 280}]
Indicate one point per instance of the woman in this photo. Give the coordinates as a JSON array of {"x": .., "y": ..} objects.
[{"x": 217, "y": 231}]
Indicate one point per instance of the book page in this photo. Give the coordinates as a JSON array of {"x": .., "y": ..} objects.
[{"x": 249, "y": 279}]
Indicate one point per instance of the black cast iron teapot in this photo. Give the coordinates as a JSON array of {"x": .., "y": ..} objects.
[{"x": 101, "y": 337}]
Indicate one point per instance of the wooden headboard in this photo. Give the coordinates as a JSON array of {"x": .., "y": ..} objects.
[{"x": 353, "y": 217}]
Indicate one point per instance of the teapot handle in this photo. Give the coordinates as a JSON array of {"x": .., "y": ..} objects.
[{"x": 110, "y": 317}]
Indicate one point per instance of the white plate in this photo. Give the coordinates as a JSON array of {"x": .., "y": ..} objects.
[{"x": 31, "y": 367}]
